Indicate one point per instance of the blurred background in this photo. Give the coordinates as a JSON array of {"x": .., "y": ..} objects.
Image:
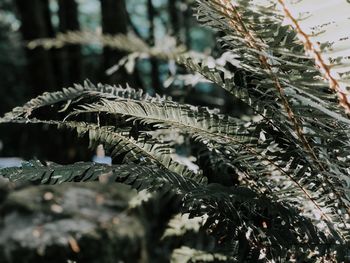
[
  {"x": 95, "y": 222},
  {"x": 26, "y": 73}
]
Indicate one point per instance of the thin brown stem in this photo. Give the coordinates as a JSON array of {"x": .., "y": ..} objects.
[{"x": 313, "y": 49}]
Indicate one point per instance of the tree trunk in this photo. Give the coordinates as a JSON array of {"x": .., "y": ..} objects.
[
  {"x": 36, "y": 23},
  {"x": 187, "y": 24},
  {"x": 44, "y": 74},
  {"x": 114, "y": 22},
  {"x": 174, "y": 15},
  {"x": 156, "y": 84},
  {"x": 71, "y": 54}
]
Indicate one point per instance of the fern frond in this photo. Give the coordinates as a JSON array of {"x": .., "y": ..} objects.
[
  {"x": 119, "y": 143},
  {"x": 140, "y": 150},
  {"x": 262, "y": 236},
  {"x": 291, "y": 157},
  {"x": 187, "y": 254},
  {"x": 199, "y": 122},
  {"x": 216, "y": 131},
  {"x": 142, "y": 177},
  {"x": 70, "y": 94},
  {"x": 326, "y": 40},
  {"x": 128, "y": 43},
  {"x": 181, "y": 224},
  {"x": 228, "y": 210},
  {"x": 234, "y": 21},
  {"x": 134, "y": 46},
  {"x": 276, "y": 59},
  {"x": 123, "y": 42}
]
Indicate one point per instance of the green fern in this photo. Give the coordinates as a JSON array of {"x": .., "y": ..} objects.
[{"x": 289, "y": 157}]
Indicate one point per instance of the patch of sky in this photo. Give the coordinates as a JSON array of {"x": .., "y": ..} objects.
[
  {"x": 90, "y": 20},
  {"x": 139, "y": 18},
  {"x": 201, "y": 39},
  {"x": 90, "y": 14}
]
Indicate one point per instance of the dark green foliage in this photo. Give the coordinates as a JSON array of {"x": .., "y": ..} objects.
[
  {"x": 287, "y": 199},
  {"x": 145, "y": 177},
  {"x": 258, "y": 222}
]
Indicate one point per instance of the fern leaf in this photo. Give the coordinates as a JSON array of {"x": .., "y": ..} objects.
[
  {"x": 145, "y": 177},
  {"x": 233, "y": 209},
  {"x": 162, "y": 113},
  {"x": 187, "y": 254},
  {"x": 277, "y": 59},
  {"x": 181, "y": 223},
  {"x": 119, "y": 143},
  {"x": 73, "y": 93},
  {"x": 326, "y": 40},
  {"x": 128, "y": 43}
]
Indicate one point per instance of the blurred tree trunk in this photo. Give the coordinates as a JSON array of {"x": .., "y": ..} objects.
[
  {"x": 187, "y": 25},
  {"x": 36, "y": 23},
  {"x": 54, "y": 53},
  {"x": 174, "y": 15},
  {"x": 71, "y": 54},
  {"x": 71, "y": 67},
  {"x": 44, "y": 74},
  {"x": 114, "y": 22},
  {"x": 156, "y": 84},
  {"x": 179, "y": 17}
]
